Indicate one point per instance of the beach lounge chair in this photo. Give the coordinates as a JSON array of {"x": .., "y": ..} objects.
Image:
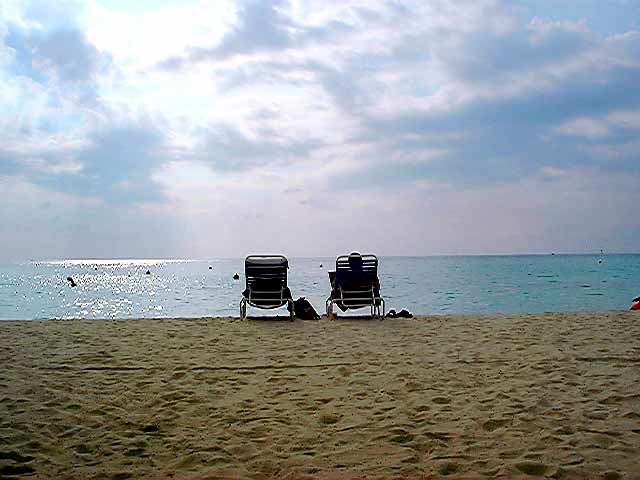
[
  {"x": 266, "y": 284},
  {"x": 355, "y": 284}
]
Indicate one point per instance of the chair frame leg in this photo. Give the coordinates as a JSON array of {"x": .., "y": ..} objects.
[
  {"x": 243, "y": 309},
  {"x": 378, "y": 310},
  {"x": 292, "y": 314},
  {"x": 329, "y": 305}
]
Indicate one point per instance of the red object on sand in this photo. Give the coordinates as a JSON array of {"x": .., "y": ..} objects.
[{"x": 635, "y": 306}]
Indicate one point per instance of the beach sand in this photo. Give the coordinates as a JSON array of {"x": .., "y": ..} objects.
[{"x": 554, "y": 395}]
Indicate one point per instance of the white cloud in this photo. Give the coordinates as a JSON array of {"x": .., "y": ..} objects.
[
  {"x": 455, "y": 126},
  {"x": 138, "y": 40},
  {"x": 584, "y": 127},
  {"x": 601, "y": 126},
  {"x": 67, "y": 166}
]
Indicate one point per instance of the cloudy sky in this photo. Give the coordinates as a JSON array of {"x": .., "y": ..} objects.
[{"x": 218, "y": 128}]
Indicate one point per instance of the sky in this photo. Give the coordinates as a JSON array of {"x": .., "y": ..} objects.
[{"x": 202, "y": 129}]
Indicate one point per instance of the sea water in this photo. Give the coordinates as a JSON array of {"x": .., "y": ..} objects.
[{"x": 423, "y": 285}]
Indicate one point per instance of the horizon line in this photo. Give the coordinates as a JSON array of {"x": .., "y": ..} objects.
[{"x": 434, "y": 255}]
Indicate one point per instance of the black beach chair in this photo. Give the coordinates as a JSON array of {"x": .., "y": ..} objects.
[
  {"x": 355, "y": 285},
  {"x": 266, "y": 284}
]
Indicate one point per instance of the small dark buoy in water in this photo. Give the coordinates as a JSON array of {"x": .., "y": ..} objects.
[
  {"x": 236, "y": 276},
  {"x": 71, "y": 281},
  {"x": 552, "y": 253},
  {"x": 599, "y": 261},
  {"x": 210, "y": 267},
  {"x": 320, "y": 265},
  {"x": 147, "y": 272}
]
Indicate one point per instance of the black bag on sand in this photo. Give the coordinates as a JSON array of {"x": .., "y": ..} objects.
[{"x": 304, "y": 310}]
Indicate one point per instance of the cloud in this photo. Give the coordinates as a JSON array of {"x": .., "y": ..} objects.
[
  {"x": 67, "y": 55},
  {"x": 113, "y": 162},
  {"x": 247, "y": 115},
  {"x": 489, "y": 57},
  {"x": 555, "y": 210},
  {"x": 39, "y": 224},
  {"x": 63, "y": 61},
  {"x": 500, "y": 132},
  {"x": 601, "y": 126},
  {"x": 59, "y": 134},
  {"x": 51, "y": 15},
  {"x": 117, "y": 163},
  {"x": 261, "y": 26},
  {"x": 227, "y": 148}
]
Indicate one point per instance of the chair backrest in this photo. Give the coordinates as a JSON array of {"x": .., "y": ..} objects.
[
  {"x": 266, "y": 272},
  {"x": 353, "y": 275}
]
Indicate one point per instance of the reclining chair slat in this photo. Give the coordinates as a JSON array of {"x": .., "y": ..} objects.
[
  {"x": 356, "y": 288},
  {"x": 266, "y": 283}
]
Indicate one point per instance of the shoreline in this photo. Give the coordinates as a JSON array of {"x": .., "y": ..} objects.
[
  {"x": 323, "y": 317},
  {"x": 553, "y": 394}
]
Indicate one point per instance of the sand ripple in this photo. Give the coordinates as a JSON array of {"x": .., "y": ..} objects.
[{"x": 553, "y": 395}]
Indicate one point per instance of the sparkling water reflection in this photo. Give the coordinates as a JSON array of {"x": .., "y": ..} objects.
[{"x": 424, "y": 285}]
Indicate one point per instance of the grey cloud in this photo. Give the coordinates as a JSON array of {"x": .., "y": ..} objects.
[
  {"x": 117, "y": 163},
  {"x": 228, "y": 149},
  {"x": 55, "y": 15},
  {"x": 266, "y": 72},
  {"x": 68, "y": 54},
  {"x": 503, "y": 139},
  {"x": 341, "y": 85},
  {"x": 487, "y": 56},
  {"x": 263, "y": 26},
  {"x": 57, "y": 48},
  {"x": 485, "y": 139},
  {"x": 40, "y": 223},
  {"x": 62, "y": 58}
]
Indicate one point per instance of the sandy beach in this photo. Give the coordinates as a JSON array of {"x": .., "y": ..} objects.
[{"x": 551, "y": 395}]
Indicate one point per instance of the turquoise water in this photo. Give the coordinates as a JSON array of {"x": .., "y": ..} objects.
[{"x": 424, "y": 285}]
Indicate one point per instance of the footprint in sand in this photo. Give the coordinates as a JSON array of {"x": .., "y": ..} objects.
[
  {"x": 448, "y": 468},
  {"x": 535, "y": 469},
  {"x": 18, "y": 466},
  {"x": 330, "y": 418},
  {"x": 611, "y": 475},
  {"x": 495, "y": 423},
  {"x": 401, "y": 438}
]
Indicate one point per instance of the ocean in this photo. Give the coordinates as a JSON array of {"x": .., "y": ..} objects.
[{"x": 423, "y": 285}]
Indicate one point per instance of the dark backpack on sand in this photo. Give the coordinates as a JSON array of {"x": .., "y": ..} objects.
[{"x": 304, "y": 310}]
